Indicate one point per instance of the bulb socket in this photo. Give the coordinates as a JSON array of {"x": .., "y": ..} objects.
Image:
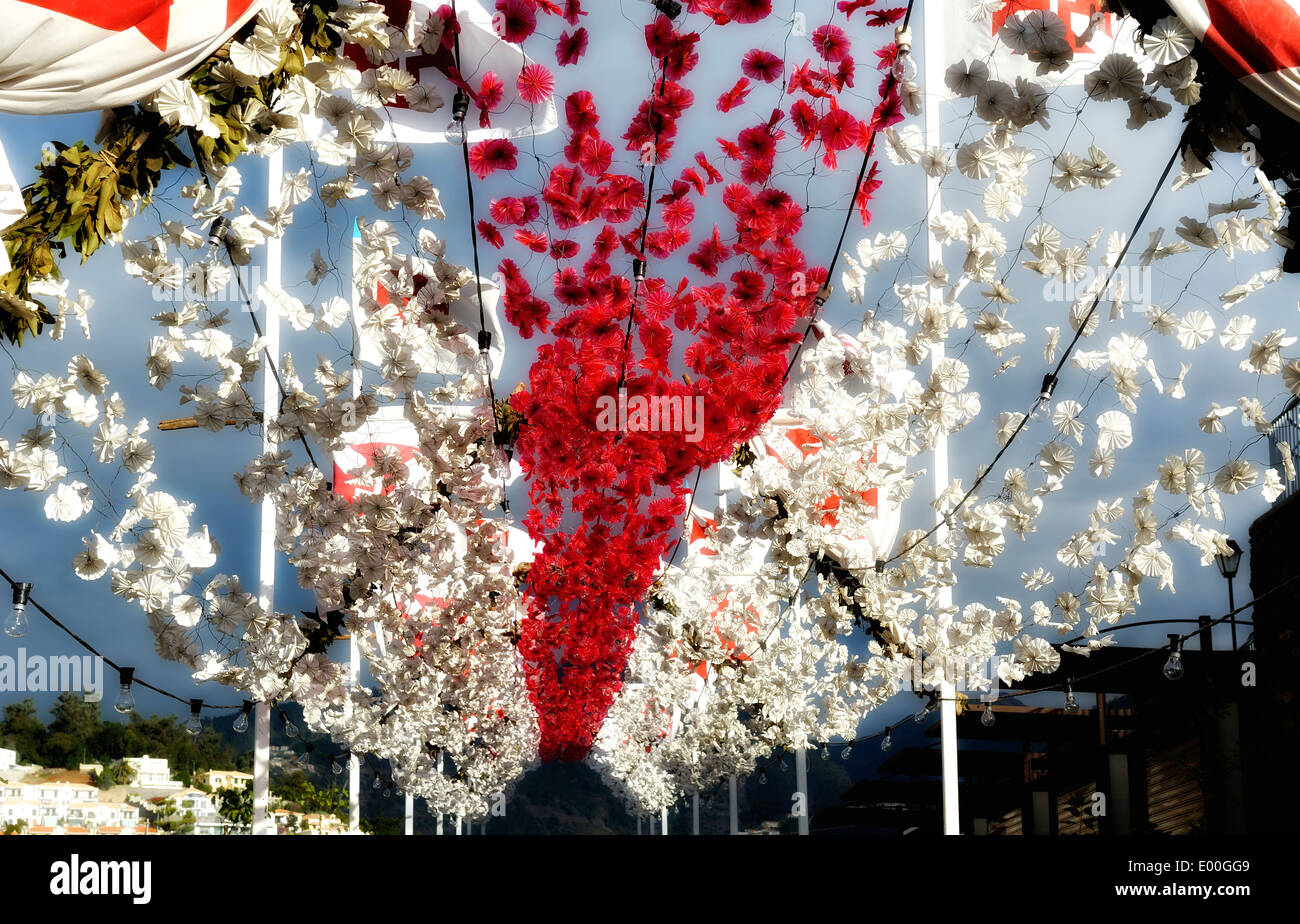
[
  {"x": 22, "y": 593},
  {"x": 903, "y": 39},
  {"x": 196, "y": 706},
  {"x": 460, "y": 105},
  {"x": 638, "y": 269},
  {"x": 823, "y": 295},
  {"x": 1049, "y": 387},
  {"x": 125, "y": 675},
  {"x": 670, "y": 8},
  {"x": 484, "y": 340},
  {"x": 248, "y": 706}
]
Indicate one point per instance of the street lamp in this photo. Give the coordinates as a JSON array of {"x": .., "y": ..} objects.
[{"x": 1228, "y": 566}]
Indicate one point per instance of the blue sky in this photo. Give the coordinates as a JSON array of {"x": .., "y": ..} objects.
[{"x": 197, "y": 465}]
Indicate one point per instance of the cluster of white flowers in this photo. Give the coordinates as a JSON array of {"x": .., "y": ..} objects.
[
  {"x": 745, "y": 647},
  {"x": 419, "y": 570}
]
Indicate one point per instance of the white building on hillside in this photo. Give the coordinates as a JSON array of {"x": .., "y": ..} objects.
[
  {"x": 152, "y": 773},
  {"x": 65, "y": 807},
  {"x": 226, "y": 779}
]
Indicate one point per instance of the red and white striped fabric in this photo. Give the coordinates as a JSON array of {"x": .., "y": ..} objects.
[
  {"x": 79, "y": 55},
  {"x": 1258, "y": 41}
]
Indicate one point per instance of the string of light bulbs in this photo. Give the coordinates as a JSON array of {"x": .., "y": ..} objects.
[{"x": 17, "y": 624}]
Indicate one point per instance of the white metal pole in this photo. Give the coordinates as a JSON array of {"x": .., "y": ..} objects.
[
  {"x": 438, "y": 830},
  {"x": 266, "y": 526},
  {"x": 663, "y": 820},
  {"x": 262, "y": 769},
  {"x": 695, "y": 813},
  {"x": 458, "y": 825},
  {"x": 410, "y": 814},
  {"x": 801, "y": 783},
  {"x": 735, "y": 814},
  {"x": 354, "y": 652},
  {"x": 934, "y": 65}
]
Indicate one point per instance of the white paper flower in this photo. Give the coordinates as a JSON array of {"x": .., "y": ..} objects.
[{"x": 70, "y": 501}]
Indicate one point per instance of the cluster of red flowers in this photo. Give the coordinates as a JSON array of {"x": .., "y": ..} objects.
[{"x": 607, "y": 503}]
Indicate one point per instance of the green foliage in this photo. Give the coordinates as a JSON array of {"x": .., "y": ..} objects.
[
  {"x": 171, "y": 821},
  {"x": 78, "y": 734},
  {"x": 383, "y": 825},
  {"x": 86, "y": 196},
  {"x": 21, "y": 730},
  {"x": 117, "y": 773},
  {"x": 236, "y": 805},
  {"x": 300, "y": 793}
]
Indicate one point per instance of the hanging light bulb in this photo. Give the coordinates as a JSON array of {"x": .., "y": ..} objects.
[
  {"x": 1174, "y": 666},
  {"x": 459, "y": 109},
  {"x": 1043, "y": 406},
  {"x": 195, "y": 725},
  {"x": 377, "y": 782},
  {"x": 762, "y": 777},
  {"x": 335, "y": 767},
  {"x": 826, "y": 753},
  {"x": 987, "y": 718},
  {"x": 16, "y": 624},
  {"x": 904, "y": 68},
  {"x": 844, "y": 754},
  {"x": 241, "y": 720},
  {"x": 923, "y": 714},
  {"x": 1071, "y": 704},
  {"x": 125, "y": 701},
  {"x": 501, "y": 459},
  {"x": 887, "y": 742},
  {"x": 290, "y": 729}
]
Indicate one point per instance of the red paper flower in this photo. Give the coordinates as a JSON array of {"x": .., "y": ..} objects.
[
  {"x": 491, "y": 92},
  {"x": 747, "y": 10},
  {"x": 580, "y": 111},
  {"x": 564, "y": 249},
  {"x": 735, "y": 96},
  {"x": 831, "y": 42},
  {"x": 535, "y": 83},
  {"x": 514, "y": 20},
  {"x": 489, "y": 233},
  {"x": 571, "y": 46},
  {"x": 839, "y": 130},
  {"x": 595, "y": 155},
  {"x": 487, "y": 157},
  {"x": 762, "y": 65}
]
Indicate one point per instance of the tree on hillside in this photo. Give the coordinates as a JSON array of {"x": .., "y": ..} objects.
[
  {"x": 21, "y": 730},
  {"x": 172, "y": 821},
  {"x": 73, "y": 728},
  {"x": 117, "y": 773}
]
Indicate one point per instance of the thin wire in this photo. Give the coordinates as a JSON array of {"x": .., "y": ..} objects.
[
  {"x": 1083, "y": 326},
  {"x": 645, "y": 226},
  {"x": 111, "y": 663},
  {"x": 248, "y": 304},
  {"x": 891, "y": 82}
]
